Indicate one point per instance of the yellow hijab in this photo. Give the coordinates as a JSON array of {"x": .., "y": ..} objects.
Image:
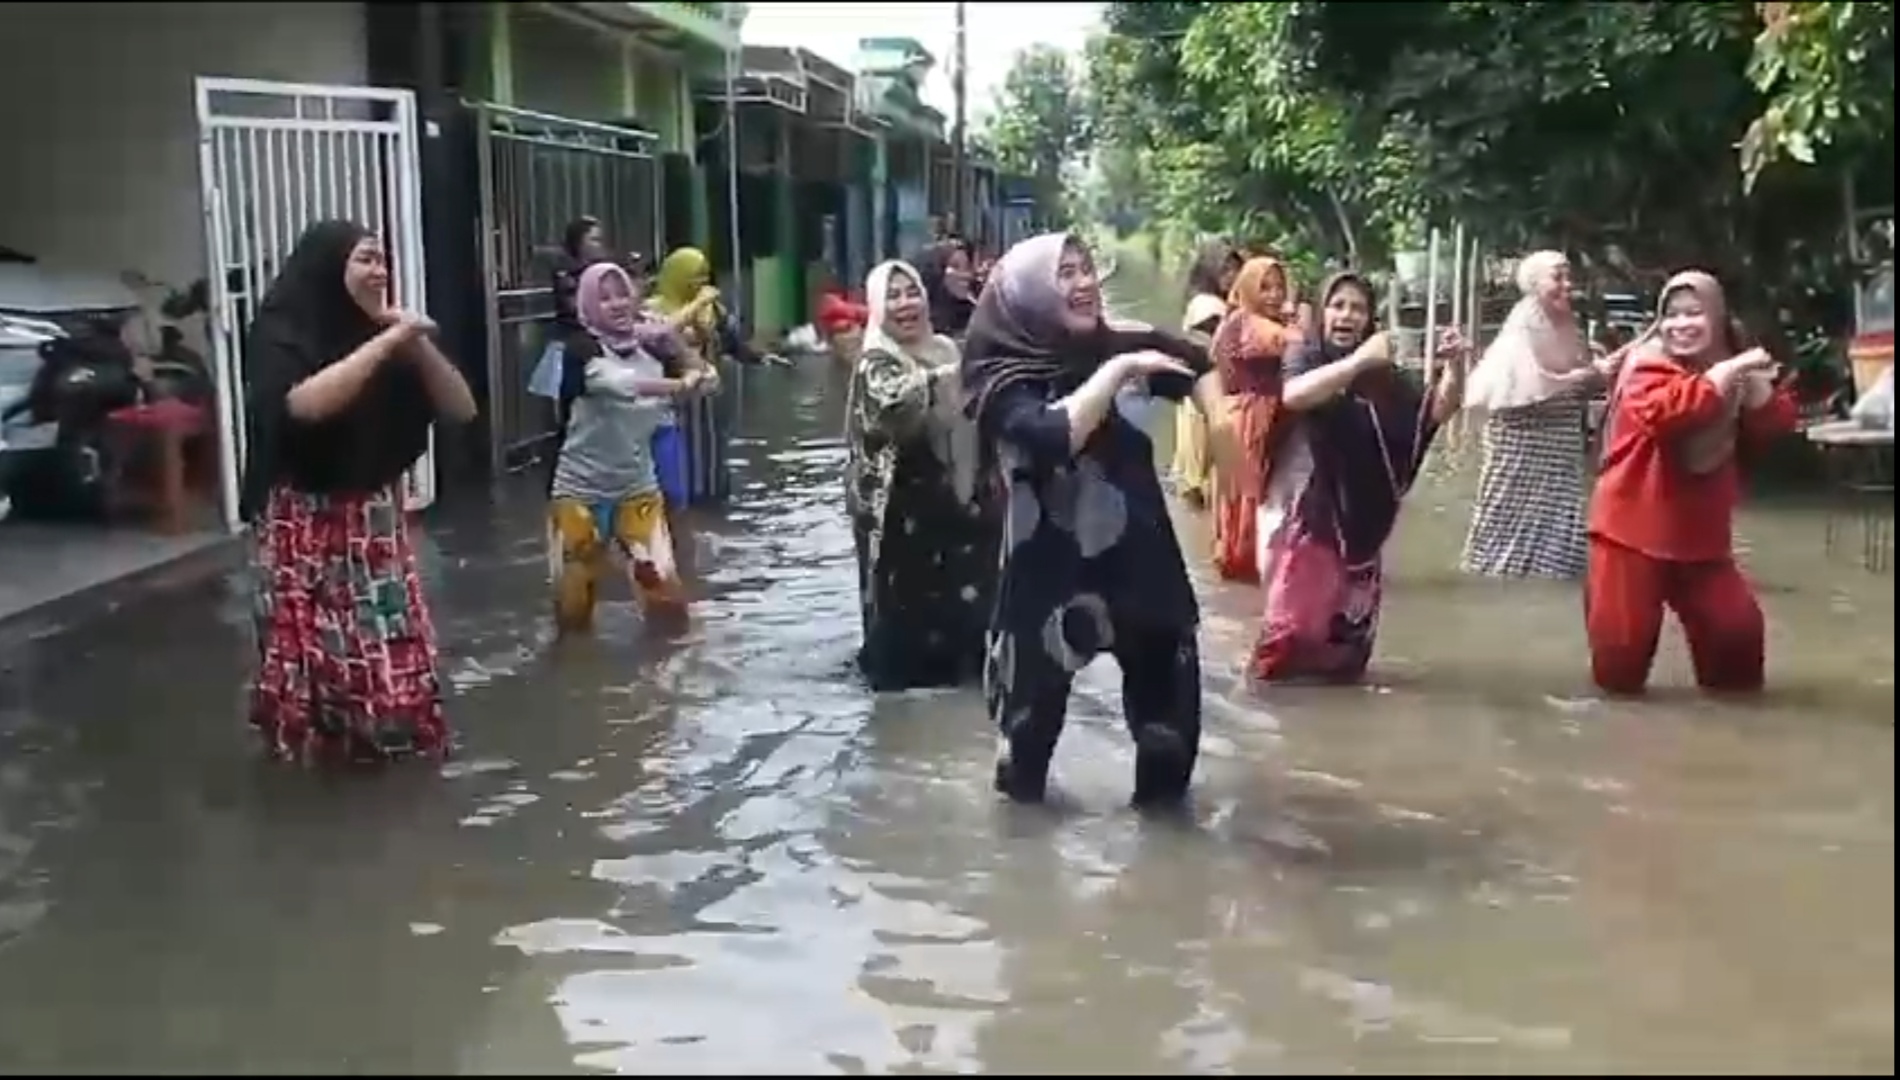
[{"x": 682, "y": 274}]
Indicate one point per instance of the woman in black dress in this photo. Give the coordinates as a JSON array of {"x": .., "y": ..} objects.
[
  {"x": 1090, "y": 563},
  {"x": 926, "y": 549}
]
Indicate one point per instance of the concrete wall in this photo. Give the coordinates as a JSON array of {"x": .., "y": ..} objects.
[
  {"x": 558, "y": 67},
  {"x": 101, "y": 162},
  {"x": 564, "y": 69}
]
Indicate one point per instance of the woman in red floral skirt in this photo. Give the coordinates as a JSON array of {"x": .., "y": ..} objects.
[{"x": 343, "y": 389}]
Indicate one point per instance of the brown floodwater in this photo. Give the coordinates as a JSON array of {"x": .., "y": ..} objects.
[{"x": 721, "y": 855}]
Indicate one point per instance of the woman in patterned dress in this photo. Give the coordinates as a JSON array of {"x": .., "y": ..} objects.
[
  {"x": 1090, "y": 562},
  {"x": 343, "y": 388},
  {"x": 926, "y": 551},
  {"x": 1535, "y": 383},
  {"x": 1248, "y": 351}
]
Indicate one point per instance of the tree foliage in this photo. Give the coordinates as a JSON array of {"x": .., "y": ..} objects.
[
  {"x": 1176, "y": 82},
  {"x": 1608, "y": 129},
  {"x": 1827, "y": 69},
  {"x": 1039, "y": 121}
]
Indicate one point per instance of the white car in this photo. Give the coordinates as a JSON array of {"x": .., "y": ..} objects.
[
  {"x": 69, "y": 299},
  {"x": 20, "y": 341}
]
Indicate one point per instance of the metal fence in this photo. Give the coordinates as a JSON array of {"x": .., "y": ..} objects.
[{"x": 539, "y": 172}]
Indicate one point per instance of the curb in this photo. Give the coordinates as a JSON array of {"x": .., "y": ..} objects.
[{"x": 88, "y": 603}]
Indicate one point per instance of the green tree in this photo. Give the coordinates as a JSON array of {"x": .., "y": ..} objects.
[
  {"x": 1038, "y": 125},
  {"x": 1827, "y": 71},
  {"x": 1608, "y": 129},
  {"x": 1230, "y": 146},
  {"x": 1115, "y": 191}
]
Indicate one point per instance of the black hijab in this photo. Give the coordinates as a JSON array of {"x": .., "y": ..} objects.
[
  {"x": 1018, "y": 337},
  {"x": 1317, "y": 350},
  {"x": 1368, "y": 443},
  {"x": 949, "y": 313},
  {"x": 308, "y": 321}
]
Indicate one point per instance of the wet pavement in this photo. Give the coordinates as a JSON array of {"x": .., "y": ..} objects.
[{"x": 721, "y": 855}]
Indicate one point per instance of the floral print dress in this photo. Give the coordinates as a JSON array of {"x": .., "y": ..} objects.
[{"x": 926, "y": 557}]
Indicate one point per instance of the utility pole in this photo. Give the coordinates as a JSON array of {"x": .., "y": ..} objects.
[{"x": 959, "y": 133}]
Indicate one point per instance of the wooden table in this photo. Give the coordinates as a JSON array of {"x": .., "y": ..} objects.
[{"x": 1859, "y": 466}]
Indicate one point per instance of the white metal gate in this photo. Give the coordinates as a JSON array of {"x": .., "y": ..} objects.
[{"x": 273, "y": 159}]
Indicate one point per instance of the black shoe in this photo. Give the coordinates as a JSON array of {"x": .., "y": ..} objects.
[
  {"x": 1164, "y": 768},
  {"x": 1015, "y": 784}
]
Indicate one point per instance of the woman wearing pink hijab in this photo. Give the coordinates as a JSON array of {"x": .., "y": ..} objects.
[
  {"x": 620, "y": 376},
  {"x": 1534, "y": 384}
]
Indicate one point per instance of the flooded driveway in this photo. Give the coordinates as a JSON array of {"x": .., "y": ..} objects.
[{"x": 723, "y": 856}]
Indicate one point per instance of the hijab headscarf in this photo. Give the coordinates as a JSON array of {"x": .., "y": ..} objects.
[
  {"x": 682, "y": 274},
  {"x": 1536, "y": 355},
  {"x": 1018, "y": 336},
  {"x": 931, "y": 352},
  {"x": 949, "y": 313},
  {"x": 1366, "y": 446},
  {"x": 618, "y": 334},
  {"x": 1204, "y": 314},
  {"x": 1254, "y": 337},
  {"x": 306, "y": 322},
  {"x": 1249, "y": 349},
  {"x": 952, "y": 436},
  {"x": 1249, "y": 292},
  {"x": 1708, "y": 448}
]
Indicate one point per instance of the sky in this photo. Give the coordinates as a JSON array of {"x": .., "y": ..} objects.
[{"x": 996, "y": 32}]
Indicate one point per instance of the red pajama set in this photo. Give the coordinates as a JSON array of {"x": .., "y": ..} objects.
[{"x": 1660, "y": 535}]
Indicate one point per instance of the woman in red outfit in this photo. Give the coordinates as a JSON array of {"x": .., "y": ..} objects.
[
  {"x": 1661, "y": 513},
  {"x": 1248, "y": 350}
]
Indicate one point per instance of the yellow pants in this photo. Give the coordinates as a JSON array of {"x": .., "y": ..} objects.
[{"x": 579, "y": 536}]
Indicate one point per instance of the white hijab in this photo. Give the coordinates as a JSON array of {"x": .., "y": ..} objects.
[
  {"x": 1202, "y": 307},
  {"x": 952, "y": 435},
  {"x": 1533, "y": 358}
]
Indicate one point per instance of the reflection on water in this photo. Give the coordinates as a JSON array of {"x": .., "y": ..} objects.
[{"x": 719, "y": 854}]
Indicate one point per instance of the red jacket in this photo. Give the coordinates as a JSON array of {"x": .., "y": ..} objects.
[{"x": 1645, "y": 498}]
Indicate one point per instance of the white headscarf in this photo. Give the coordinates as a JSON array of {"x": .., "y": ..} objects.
[
  {"x": 1533, "y": 358},
  {"x": 952, "y": 435}
]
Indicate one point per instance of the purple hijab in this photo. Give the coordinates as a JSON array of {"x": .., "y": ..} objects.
[
  {"x": 1018, "y": 337},
  {"x": 1367, "y": 445}
]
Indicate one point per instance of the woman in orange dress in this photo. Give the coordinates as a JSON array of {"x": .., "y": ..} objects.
[{"x": 1248, "y": 351}]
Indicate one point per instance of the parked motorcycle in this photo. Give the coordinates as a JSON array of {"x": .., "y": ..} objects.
[
  {"x": 175, "y": 371},
  {"x": 81, "y": 380}
]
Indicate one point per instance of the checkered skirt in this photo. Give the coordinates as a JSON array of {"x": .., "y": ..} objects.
[{"x": 1532, "y": 492}]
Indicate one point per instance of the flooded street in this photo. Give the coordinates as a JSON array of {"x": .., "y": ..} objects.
[{"x": 723, "y": 856}]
